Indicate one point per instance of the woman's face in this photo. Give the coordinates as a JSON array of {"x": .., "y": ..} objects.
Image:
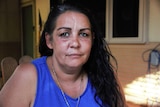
[{"x": 72, "y": 40}]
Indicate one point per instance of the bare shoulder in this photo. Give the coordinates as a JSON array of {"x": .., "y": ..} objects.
[
  {"x": 20, "y": 89},
  {"x": 27, "y": 70},
  {"x": 24, "y": 73}
]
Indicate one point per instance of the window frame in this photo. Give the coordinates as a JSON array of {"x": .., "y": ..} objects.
[{"x": 142, "y": 25}]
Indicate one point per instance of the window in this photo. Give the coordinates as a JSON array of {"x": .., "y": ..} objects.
[{"x": 126, "y": 21}]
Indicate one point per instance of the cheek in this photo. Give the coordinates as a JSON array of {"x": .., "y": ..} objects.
[
  {"x": 87, "y": 46},
  {"x": 58, "y": 42},
  {"x": 59, "y": 46}
]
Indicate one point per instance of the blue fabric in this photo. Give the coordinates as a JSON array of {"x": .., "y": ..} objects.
[{"x": 48, "y": 93}]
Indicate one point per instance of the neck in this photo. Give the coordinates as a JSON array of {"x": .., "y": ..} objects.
[
  {"x": 72, "y": 88},
  {"x": 67, "y": 74},
  {"x": 68, "y": 77}
]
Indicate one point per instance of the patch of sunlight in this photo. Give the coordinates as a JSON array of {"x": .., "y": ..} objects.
[{"x": 144, "y": 90}]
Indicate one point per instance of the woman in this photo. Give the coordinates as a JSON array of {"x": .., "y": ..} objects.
[{"x": 74, "y": 70}]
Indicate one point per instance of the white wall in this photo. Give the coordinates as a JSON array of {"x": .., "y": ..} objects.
[{"x": 154, "y": 21}]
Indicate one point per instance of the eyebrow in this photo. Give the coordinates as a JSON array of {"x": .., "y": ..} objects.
[
  {"x": 64, "y": 28},
  {"x": 70, "y": 28},
  {"x": 85, "y": 29}
]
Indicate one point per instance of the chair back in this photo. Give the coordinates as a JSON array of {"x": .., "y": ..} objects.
[
  {"x": 25, "y": 58},
  {"x": 8, "y": 65}
]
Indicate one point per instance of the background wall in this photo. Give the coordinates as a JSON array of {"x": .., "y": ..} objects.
[
  {"x": 9, "y": 28},
  {"x": 154, "y": 21},
  {"x": 130, "y": 61},
  {"x": 9, "y": 21}
]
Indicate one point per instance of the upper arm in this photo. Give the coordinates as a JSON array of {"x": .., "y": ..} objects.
[{"x": 19, "y": 90}]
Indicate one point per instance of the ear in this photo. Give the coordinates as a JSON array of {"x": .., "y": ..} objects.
[{"x": 48, "y": 41}]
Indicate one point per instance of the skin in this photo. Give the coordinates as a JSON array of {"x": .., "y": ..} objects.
[{"x": 71, "y": 42}]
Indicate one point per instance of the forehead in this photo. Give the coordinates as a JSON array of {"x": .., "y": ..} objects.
[{"x": 72, "y": 17}]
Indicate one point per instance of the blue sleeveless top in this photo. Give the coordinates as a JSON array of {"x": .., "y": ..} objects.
[{"x": 48, "y": 94}]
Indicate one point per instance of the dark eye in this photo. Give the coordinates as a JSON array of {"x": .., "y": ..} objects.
[
  {"x": 65, "y": 34},
  {"x": 84, "y": 34}
]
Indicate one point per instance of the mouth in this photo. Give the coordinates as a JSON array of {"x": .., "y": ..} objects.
[{"x": 74, "y": 55}]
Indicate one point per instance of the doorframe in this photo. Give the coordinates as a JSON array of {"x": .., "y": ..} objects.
[{"x": 25, "y": 4}]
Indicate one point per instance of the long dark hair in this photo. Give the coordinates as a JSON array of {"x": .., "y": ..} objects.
[{"x": 98, "y": 67}]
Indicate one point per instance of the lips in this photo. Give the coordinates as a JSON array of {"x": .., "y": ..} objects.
[{"x": 74, "y": 55}]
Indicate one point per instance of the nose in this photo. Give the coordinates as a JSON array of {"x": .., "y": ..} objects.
[{"x": 74, "y": 43}]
